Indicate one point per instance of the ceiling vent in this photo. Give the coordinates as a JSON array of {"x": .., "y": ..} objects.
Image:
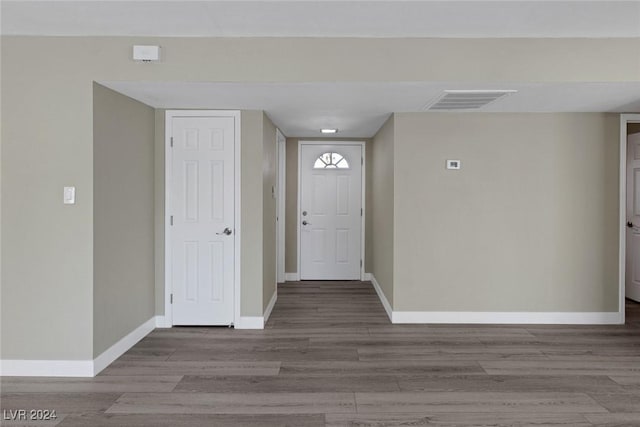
[{"x": 466, "y": 99}]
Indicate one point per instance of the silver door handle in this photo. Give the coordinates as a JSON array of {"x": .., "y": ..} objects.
[
  {"x": 227, "y": 231},
  {"x": 306, "y": 223}
]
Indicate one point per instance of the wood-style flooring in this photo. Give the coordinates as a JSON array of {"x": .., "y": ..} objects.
[{"x": 330, "y": 357}]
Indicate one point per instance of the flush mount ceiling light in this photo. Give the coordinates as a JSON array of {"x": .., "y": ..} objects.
[
  {"x": 466, "y": 99},
  {"x": 328, "y": 130}
]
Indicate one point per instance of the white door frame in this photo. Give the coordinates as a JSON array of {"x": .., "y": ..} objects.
[
  {"x": 624, "y": 120},
  {"x": 168, "y": 286},
  {"x": 362, "y": 187},
  {"x": 281, "y": 208}
]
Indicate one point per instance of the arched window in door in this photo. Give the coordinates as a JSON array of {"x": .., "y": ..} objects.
[{"x": 331, "y": 161}]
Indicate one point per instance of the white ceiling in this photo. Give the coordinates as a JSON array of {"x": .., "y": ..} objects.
[
  {"x": 359, "y": 109},
  {"x": 309, "y": 18}
]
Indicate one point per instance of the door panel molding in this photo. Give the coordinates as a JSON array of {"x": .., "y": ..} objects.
[{"x": 168, "y": 170}]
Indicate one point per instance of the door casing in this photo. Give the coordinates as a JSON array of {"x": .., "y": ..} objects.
[
  {"x": 622, "y": 253},
  {"x": 168, "y": 287},
  {"x": 362, "y": 190},
  {"x": 281, "y": 201}
]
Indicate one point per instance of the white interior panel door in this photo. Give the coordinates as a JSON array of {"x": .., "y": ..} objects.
[
  {"x": 330, "y": 221},
  {"x": 632, "y": 285},
  {"x": 202, "y": 234}
]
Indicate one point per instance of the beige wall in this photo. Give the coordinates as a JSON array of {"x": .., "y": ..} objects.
[
  {"x": 47, "y": 132},
  {"x": 382, "y": 208},
  {"x": 252, "y": 216},
  {"x": 291, "y": 204},
  {"x": 530, "y": 222},
  {"x": 123, "y": 221},
  {"x": 269, "y": 212}
]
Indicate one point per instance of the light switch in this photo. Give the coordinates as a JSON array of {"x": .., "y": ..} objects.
[{"x": 69, "y": 195}]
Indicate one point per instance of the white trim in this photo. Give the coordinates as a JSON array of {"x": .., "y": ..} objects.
[
  {"x": 125, "y": 343},
  {"x": 292, "y": 277},
  {"x": 363, "y": 190},
  {"x": 46, "y": 368},
  {"x": 78, "y": 368},
  {"x": 383, "y": 298},
  {"x": 269, "y": 309},
  {"x": 249, "y": 322},
  {"x": 363, "y": 180},
  {"x": 162, "y": 322},
  {"x": 367, "y": 277},
  {"x": 169, "y": 115},
  {"x": 554, "y": 318},
  {"x": 622, "y": 226},
  {"x": 281, "y": 144}
]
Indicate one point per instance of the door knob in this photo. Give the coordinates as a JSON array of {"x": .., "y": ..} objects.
[
  {"x": 227, "y": 231},
  {"x": 629, "y": 224},
  {"x": 306, "y": 223}
]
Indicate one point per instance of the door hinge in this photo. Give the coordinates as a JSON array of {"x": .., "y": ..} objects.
[
  {"x": 171, "y": 219},
  {"x": 171, "y": 298},
  {"x": 362, "y": 160},
  {"x": 360, "y": 211},
  {"x": 360, "y": 263},
  {"x": 172, "y": 141}
]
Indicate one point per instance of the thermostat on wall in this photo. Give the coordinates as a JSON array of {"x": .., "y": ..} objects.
[
  {"x": 146, "y": 53},
  {"x": 453, "y": 164}
]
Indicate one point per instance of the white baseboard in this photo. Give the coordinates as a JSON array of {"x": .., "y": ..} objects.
[
  {"x": 46, "y": 368},
  {"x": 269, "y": 309},
  {"x": 383, "y": 298},
  {"x": 125, "y": 343},
  {"x": 492, "y": 317},
  {"x": 367, "y": 276},
  {"x": 292, "y": 277},
  {"x": 518, "y": 318},
  {"x": 76, "y": 368},
  {"x": 163, "y": 322},
  {"x": 249, "y": 322}
]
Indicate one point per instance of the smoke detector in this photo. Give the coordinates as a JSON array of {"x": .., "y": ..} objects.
[{"x": 466, "y": 99}]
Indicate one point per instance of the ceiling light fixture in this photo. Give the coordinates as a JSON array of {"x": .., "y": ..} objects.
[{"x": 327, "y": 130}]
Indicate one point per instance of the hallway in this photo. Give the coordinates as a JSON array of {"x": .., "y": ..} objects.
[{"x": 329, "y": 356}]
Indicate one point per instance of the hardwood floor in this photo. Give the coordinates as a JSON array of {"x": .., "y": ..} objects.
[{"x": 330, "y": 357}]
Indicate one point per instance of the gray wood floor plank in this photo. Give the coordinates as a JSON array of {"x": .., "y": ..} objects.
[
  {"x": 554, "y": 367},
  {"x": 65, "y": 403},
  {"x": 407, "y": 367},
  {"x": 233, "y": 403},
  {"x": 623, "y": 401},
  {"x": 309, "y": 353},
  {"x": 198, "y": 420},
  {"x": 192, "y": 368},
  {"x": 443, "y": 352},
  {"x": 614, "y": 420},
  {"x": 508, "y": 383},
  {"x": 102, "y": 384},
  {"x": 630, "y": 381},
  {"x": 488, "y": 402},
  {"x": 458, "y": 420},
  {"x": 290, "y": 384}
]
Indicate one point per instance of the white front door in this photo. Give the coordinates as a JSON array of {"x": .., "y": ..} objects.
[
  {"x": 632, "y": 285},
  {"x": 330, "y": 219},
  {"x": 202, "y": 209}
]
